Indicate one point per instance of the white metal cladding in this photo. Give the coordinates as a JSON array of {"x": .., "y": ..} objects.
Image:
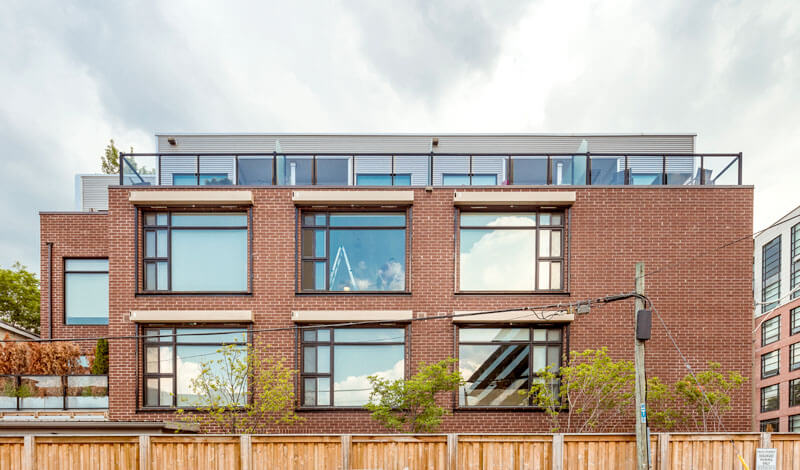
[
  {"x": 414, "y": 165},
  {"x": 210, "y": 143},
  {"x": 94, "y": 191}
]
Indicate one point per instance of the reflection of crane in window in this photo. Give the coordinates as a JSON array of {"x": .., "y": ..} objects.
[{"x": 341, "y": 254}]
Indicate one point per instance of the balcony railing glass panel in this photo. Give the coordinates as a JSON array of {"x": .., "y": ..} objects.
[
  {"x": 721, "y": 170},
  {"x": 608, "y": 170},
  {"x": 254, "y": 171},
  {"x": 529, "y": 170}
]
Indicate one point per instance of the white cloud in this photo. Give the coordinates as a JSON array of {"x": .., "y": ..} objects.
[{"x": 358, "y": 387}]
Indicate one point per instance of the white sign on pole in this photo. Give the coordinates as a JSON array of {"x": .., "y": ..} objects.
[{"x": 766, "y": 459}]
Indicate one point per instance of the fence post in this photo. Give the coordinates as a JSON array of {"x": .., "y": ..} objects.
[
  {"x": 663, "y": 451},
  {"x": 29, "y": 453},
  {"x": 452, "y": 451},
  {"x": 558, "y": 452},
  {"x": 765, "y": 441},
  {"x": 144, "y": 452},
  {"x": 245, "y": 453},
  {"x": 346, "y": 441}
]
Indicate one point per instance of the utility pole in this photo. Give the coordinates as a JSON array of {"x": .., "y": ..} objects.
[{"x": 642, "y": 442}]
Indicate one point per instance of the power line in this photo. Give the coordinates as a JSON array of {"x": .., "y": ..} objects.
[
  {"x": 713, "y": 250},
  {"x": 536, "y": 311}
]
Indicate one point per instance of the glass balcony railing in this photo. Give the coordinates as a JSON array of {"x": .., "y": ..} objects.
[
  {"x": 53, "y": 392},
  {"x": 336, "y": 169}
]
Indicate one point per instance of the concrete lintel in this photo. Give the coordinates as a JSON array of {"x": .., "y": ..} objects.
[
  {"x": 190, "y": 316},
  {"x": 350, "y": 315},
  {"x": 352, "y": 197},
  {"x": 190, "y": 197},
  {"x": 516, "y": 316},
  {"x": 514, "y": 198}
]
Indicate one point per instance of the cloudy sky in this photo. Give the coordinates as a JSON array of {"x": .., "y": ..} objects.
[{"x": 75, "y": 74}]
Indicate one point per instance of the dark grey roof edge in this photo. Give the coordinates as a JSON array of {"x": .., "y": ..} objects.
[
  {"x": 17, "y": 330},
  {"x": 432, "y": 134}
]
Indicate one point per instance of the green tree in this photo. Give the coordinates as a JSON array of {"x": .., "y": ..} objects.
[
  {"x": 19, "y": 297},
  {"x": 242, "y": 392},
  {"x": 707, "y": 396},
  {"x": 100, "y": 363},
  {"x": 587, "y": 395},
  {"x": 110, "y": 159},
  {"x": 409, "y": 405}
]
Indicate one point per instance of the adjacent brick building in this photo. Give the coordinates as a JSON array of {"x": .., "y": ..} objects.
[{"x": 321, "y": 230}]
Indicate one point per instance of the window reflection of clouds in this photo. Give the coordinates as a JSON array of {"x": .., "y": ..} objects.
[
  {"x": 353, "y": 364},
  {"x": 190, "y": 362},
  {"x": 497, "y": 259},
  {"x": 376, "y": 257}
]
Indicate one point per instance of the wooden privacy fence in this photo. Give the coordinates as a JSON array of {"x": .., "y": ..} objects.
[{"x": 709, "y": 451}]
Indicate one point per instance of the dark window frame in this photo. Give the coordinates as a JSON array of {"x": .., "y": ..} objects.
[
  {"x": 173, "y": 343},
  {"x": 197, "y": 176},
  {"x": 563, "y": 259},
  {"x": 777, "y": 398},
  {"x": 794, "y": 353},
  {"x": 794, "y": 420},
  {"x": 65, "y": 273},
  {"x": 563, "y": 344},
  {"x": 794, "y": 318},
  {"x": 794, "y": 263},
  {"x": 765, "y": 324},
  {"x": 772, "y": 373},
  {"x": 766, "y": 422},
  {"x": 141, "y": 247},
  {"x": 331, "y": 343},
  {"x": 774, "y": 259},
  {"x": 794, "y": 398},
  {"x": 302, "y": 226}
]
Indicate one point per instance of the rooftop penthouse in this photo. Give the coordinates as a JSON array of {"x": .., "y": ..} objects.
[{"x": 428, "y": 160}]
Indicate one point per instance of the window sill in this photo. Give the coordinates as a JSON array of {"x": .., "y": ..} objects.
[
  {"x": 154, "y": 409},
  {"x": 194, "y": 294},
  {"x": 85, "y": 324},
  {"x": 330, "y": 408},
  {"x": 502, "y": 409},
  {"x": 513, "y": 292},
  {"x": 322, "y": 293}
]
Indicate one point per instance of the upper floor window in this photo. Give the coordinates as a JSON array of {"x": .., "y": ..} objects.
[
  {"x": 769, "y": 398},
  {"x": 771, "y": 330},
  {"x": 795, "y": 316},
  {"x": 469, "y": 179},
  {"x": 514, "y": 251},
  {"x": 383, "y": 179},
  {"x": 794, "y": 392},
  {"x": 770, "y": 364},
  {"x": 794, "y": 356},
  {"x": 337, "y": 361},
  {"x": 86, "y": 291},
  {"x": 498, "y": 363},
  {"x": 771, "y": 274},
  {"x": 173, "y": 357},
  {"x": 196, "y": 251},
  {"x": 795, "y": 262},
  {"x": 353, "y": 252}
]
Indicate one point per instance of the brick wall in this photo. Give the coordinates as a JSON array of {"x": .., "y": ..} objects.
[
  {"x": 706, "y": 301},
  {"x": 74, "y": 235}
]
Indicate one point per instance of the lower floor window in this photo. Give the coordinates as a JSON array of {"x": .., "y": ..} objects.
[
  {"x": 769, "y": 425},
  {"x": 498, "y": 363},
  {"x": 337, "y": 361},
  {"x": 794, "y": 423},
  {"x": 794, "y": 392},
  {"x": 174, "y": 357}
]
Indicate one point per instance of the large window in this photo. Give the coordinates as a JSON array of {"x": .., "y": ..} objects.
[
  {"x": 498, "y": 363},
  {"x": 771, "y": 330},
  {"x": 353, "y": 252},
  {"x": 769, "y": 364},
  {"x": 175, "y": 356},
  {"x": 769, "y": 398},
  {"x": 771, "y": 274},
  {"x": 795, "y": 318},
  {"x": 337, "y": 361},
  {"x": 515, "y": 251},
  {"x": 195, "y": 251},
  {"x": 86, "y": 291},
  {"x": 794, "y": 283}
]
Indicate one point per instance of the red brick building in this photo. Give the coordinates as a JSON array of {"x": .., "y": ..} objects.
[{"x": 293, "y": 238}]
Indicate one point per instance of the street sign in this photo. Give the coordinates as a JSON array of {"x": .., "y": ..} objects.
[
  {"x": 644, "y": 413},
  {"x": 766, "y": 459}
]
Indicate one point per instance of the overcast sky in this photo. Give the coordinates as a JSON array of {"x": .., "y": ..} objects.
[{"x": 74, "y": 74}]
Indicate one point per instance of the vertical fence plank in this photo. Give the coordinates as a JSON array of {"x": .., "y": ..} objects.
[
  {"x": 144, "y": 452},
  {"x": 346, "y": 443},
  {"x": 558, "y": 452},
  {"x": 245, "y": 452},
  {"x": 28, "y": 462},
  {"x": 452, "y": 452},
  {"x": 663, "y": 451}
]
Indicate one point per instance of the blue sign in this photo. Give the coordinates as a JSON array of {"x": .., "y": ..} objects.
[{"x": 644, "y": 413}]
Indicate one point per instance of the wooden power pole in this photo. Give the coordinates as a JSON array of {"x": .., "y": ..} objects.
[{"x": 642, "y": 444}]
